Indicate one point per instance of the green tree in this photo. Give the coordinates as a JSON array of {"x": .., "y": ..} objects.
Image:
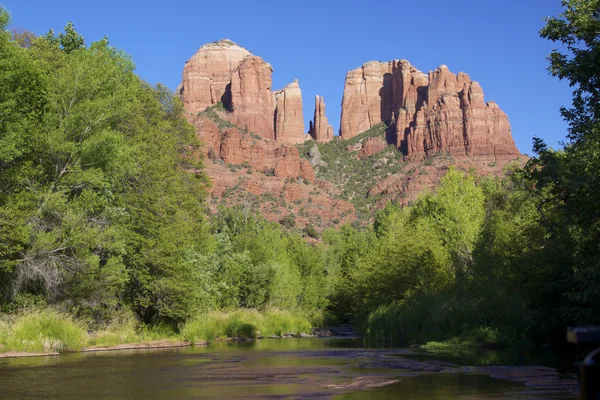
[
  {"x": 566, "y": 183},
  {"x": 101, "y": 192},
  {"x": 457, "y": 212},
  {"x": 70, "y": 40}
]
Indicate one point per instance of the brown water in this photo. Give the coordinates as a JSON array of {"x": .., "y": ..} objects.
[{"x": 271, "y": 368}]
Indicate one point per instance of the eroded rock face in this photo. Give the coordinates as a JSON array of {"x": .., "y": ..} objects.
[
  {"x": 267, "y": 176},
  {"x": 225, "y": 72},
  {"x": 436, "y": 113},
  {"x": 372, "y": 146},
  {"x": 208, "y": 73},
  {"x": 362, "y": 104},
  {"x": 210, "y": 136},
  {"x": 252, "y": 103},
  {"x": 289, "y": 120},
  {"x": 320, "y": 129},
  {"x": 283, "y": 161}
]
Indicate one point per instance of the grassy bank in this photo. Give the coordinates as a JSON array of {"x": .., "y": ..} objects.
[
  {"x": 243, "y": 324},
  {"x": 48, "y": 330},
  {"x": 42, "y": 331}
]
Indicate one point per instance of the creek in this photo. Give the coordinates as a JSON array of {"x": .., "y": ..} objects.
[{"x": 287, "y": 368}]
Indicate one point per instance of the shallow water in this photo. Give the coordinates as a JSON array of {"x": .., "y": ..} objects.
[{"x": 285, "y": 368}]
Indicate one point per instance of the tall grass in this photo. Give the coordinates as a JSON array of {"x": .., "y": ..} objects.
[
  {"x": 44, "y": 331},
  {"x": 245, "y": 323},
  {"x": 125, "y": 329},
  {"x": 48, "y": 330},
  {"x": 5, "y": 325},
  {"x": 122, "y": 329}
]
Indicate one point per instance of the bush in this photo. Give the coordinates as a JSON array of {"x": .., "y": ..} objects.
[
  {"x": 311, "y": 231},
  {"x": 46, "y": 331},
  {"x": 289, "y": 221},
  {"x": 205, "y": 327},
  {"x": 279, "y": 322}
]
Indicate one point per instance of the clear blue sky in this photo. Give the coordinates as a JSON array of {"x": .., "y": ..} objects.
[{"x": 317, "y": 42}]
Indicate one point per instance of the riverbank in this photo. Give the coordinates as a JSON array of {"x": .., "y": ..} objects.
[
  {"x": 49, "y": 332},
  {"x": 156, "y": 344}
]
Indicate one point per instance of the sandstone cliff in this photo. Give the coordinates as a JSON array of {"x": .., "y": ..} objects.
[
  {"x": 320, "y": 129},
  {"x": 403, "y": 128},
  {"x": 251, "y": 99},
  {"x": 289, "y": 120},
  {"x": 436, "y": 113},
  {"x": 223, "y": 72},
  {"x": 208, "y": 73}
]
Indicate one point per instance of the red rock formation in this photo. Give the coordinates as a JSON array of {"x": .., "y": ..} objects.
[
  {"x": 251, "y": 99},
  {"x": 289, "y": 165},
  {"x": 320, "y": 130},
  {"x": 372, "y": 146},
  {"x": 289, "y": 121},
  {"x": 309, "y": 203},
  {"x": 265, "y": 180},
  {"x": 210, "y": 135},
  {"x": 439, "y": 112},
  {"x": 362, "y": 104},
  {"x": 238, "y": 148},
  {"x": 225, "y": 72},
  {"x": 207, "y": 74}
]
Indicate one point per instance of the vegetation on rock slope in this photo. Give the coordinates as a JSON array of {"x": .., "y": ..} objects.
[{"x": 354, "y": 176}]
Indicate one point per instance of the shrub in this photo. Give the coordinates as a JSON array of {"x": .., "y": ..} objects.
[
  {"x": 280, "y": 322},
  {"x": 311, "y": 231},
  {"x": 289, "y": 221},
  {"x": 205, "y": 327}
]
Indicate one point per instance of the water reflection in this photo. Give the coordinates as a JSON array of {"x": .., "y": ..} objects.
[{"x": 286, "y": 368}]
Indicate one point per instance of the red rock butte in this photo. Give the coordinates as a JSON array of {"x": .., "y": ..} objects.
[
  {"x": 223, "y": 72},
  {"x": 433, "y": 113}
]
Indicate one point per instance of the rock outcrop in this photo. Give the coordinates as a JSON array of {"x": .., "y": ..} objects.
[
  {"x": 208, "y": 73},
  {"x": 289, "y": 120},
  {"x": 267, "y": 176},
  {"x": 320, "y": 129},
  {"x": 435, "y": 120},
  {"x": 223, "y": 72},
  {"x": 362, "y": 104},
  {"x": 436, "y": 113},
  {"x": 235, "y": 147},
  {"x": 372, "y": 146},
  {"x": 251, "y": 99}
]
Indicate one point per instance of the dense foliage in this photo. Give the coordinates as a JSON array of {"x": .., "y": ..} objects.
[{"x": 97, "y": 211}]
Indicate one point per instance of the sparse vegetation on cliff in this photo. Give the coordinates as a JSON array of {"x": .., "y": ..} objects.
[
  {"x": 215, "y": 114},
  {"x": 352, "y": 175}
]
